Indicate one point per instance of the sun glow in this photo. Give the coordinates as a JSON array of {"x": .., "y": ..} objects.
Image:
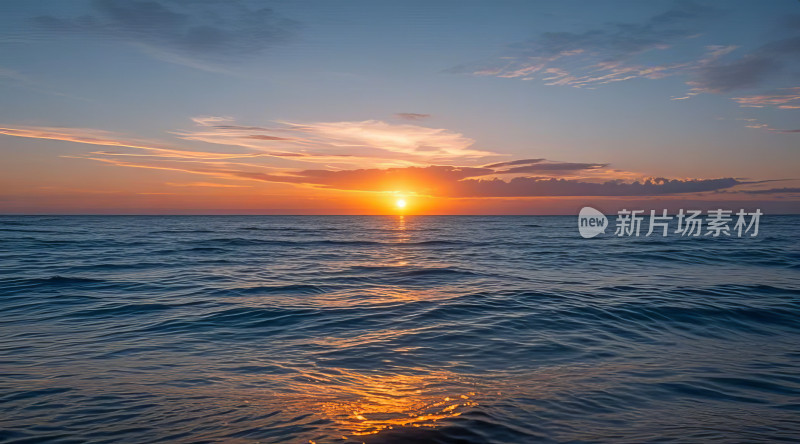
[{"x": 400, "y": 203}]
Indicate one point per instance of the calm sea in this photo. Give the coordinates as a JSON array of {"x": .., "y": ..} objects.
[{"x": 393, "y": 330}]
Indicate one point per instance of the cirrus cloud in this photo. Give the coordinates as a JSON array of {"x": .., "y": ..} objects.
[
  {"x": 368, "y": 139},
  {"x": 184, "y": 32},
  {"x": 601, "y": 55}
]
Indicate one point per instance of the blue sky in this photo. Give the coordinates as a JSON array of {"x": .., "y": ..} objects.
[{"x": 676, "y": 90}]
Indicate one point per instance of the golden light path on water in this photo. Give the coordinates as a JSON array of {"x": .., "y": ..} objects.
[
  {"x": 363, "y": 403},
  {"x": 367, "y": 404},
  {"x": 378, "y": 402},
  {"x": 360, "y": 404}
]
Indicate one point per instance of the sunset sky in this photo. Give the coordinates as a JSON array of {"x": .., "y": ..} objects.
[{"x": 304, "y": 107}]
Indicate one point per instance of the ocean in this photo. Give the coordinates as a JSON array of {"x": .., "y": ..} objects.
[{"x": 415, "y": 329}]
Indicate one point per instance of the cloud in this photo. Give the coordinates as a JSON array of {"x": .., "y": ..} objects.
[
  {"x": 412, "y": 116},
  {"x": 756, "y": 125},
  {"x": 451, "y": 181},
  {"x": 789, "y": 98},
  {"x": 599, "y": 56},
  {"x": 515, "y": 162},
  {"x": 432, "y": 180},
  {"x": 618, "y": 52},
  {"x": 314, "y": 143},
  {"x": 513, "y": 178},
  {"x": 106, "y": 138},
  {"x": 342, "y": 142},
  {"x": 770, "y": 61},
  {"x": 746, "y": 72},
  {"x": 658, "y": 47},
  {"x": 201, "y": 30},
  {"x": 530, "y": 187},
  {"x": 205, "y": 185},
  {"x": 553, "y": 166},
  {"x": 773, "y": 191}
]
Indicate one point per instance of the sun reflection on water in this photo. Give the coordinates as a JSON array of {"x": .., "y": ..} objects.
[
  {"x": 360, "y": 403},
  {"x": 379, "y": 402},
  {"x": 402, "y": 235}
]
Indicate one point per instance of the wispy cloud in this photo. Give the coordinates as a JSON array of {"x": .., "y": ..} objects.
[
  {"x": 188, "y": 32},
  {"x": 753, "y": 123},
  {"x": 774, "y": 191},
  {"x": 205, "y": 185},
  {"x": 540, "y": 167},
  {"x": 370, "y": 142},
  {"x": 660, "y": 46},
  {"x": 788, "y": 98},
  {"x": 105, "y": 138},
  {"x": 599, "y": 56},
  {"x": 412, "y": 116},
  {"x": 341, "y": 142},
  {"x": 515, "y": 162},
  {"x": 771, "y": 61}
]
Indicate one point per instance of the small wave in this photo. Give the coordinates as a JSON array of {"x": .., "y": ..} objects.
[
  {"x": 124, "y": 266},
  {"x": 34, "y": 393},
  {"x": 290, "y": 229},
  {"x": 272, "y": 289},
  {"x": 121, "y": 310},
  {"x": 245, "y": 242},
  {"x": 472, "y": 426},
  {"x": 56, "y": 279},
  {"x": 437, "y": 272},
  {"x": 69, "y": 280},
  {"x": 436, "y": 242},
  {"x": 406, "y": 271},
  {"x": 238, "y": 318},
  {"x": 197, "y": 231}
]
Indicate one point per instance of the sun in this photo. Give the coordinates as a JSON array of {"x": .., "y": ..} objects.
[{"x": 400, "y": 203}]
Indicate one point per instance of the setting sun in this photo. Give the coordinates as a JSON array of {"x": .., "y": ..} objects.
[{"x": 400, "y": 203}]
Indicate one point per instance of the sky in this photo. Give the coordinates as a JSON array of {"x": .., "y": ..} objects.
[{"x": 456, "y": 107}]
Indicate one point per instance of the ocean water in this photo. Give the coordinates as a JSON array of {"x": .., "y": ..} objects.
[{"x": 393, "y": 330}]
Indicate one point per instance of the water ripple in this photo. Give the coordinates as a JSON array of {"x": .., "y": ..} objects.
[{"x": 387, "y": 330}]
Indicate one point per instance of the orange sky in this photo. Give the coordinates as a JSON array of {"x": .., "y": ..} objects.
[{"x": 666, "y": 104}]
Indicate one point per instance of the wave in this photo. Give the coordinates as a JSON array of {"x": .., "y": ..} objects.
[
  {"x": 274, "y": 289},
  {"x": 247, "y": 242},
  {"x": 469, "y": 329},
  {"x": 52, "y": 280}
]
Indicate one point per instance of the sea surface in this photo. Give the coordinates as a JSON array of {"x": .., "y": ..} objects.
[{"x": 415, "y": 329}]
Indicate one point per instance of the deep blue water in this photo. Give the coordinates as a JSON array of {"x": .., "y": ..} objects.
[{"x": 384, "y": 330}]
